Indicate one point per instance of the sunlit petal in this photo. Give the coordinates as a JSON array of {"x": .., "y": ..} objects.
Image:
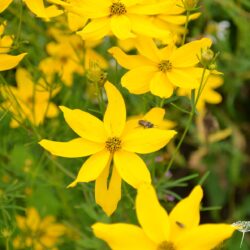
[
  {"x": 131, "y": 168},
  {"x": 121, "y": 236}
]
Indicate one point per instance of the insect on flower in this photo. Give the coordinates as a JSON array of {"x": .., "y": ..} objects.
[{"x": 146, "y": 124}]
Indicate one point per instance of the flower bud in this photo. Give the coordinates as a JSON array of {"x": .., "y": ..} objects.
[
  {"x": 207, "y": 57},
  {"x": 97, "y": 75},
  {"x": 190, "y": 4}
]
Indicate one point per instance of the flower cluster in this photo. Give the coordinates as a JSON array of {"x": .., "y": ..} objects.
[{"x": 147, "y": 42}]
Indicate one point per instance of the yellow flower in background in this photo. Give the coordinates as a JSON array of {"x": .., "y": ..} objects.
[
  {"x": 121, "y": 18},
  {"x": 68, "y": 54},
  {"x": 161, "y": 70},
  {"x": 37, "y": 7},
  {"x": 112, "y": 149},
  {"x": 7, "y": 61},
  {"x": 28, "y": 100},
  {"x": 180, "y": 230},
  {"x": 208, "y": 94},
  {"x": 37, "y": 233}
]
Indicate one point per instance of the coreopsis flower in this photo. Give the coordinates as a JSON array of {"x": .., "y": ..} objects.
[
  {"x": 28, "y": 100},
  {"x": 7, "y": 61},
  {"x": 37, "y": 233},
  {"x": 108, "y": 142},
  {"x": 161, "y": 70},
  {"x": 68, "y": 54},
  {"x": 180, "y": 230},
  {"x": 121, "y": 18},
  {"x": 208, "y": 94},
  {"x": 37, "y": 7}
]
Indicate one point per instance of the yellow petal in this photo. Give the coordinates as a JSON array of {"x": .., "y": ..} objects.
[
  {"x": 95, "y": 30},
  {"x": 38, "y": 8},
  {"x": 115, "y": 115},
  {"x": 129, "y": 61},
  {"x": 161, "y": 86},
  {"x": 147, "y": 48},
  {"x": 151, "y": 215},
  {"x": 121, "y": 27},
  {"x": 84, "y": 124},
  {"x": 205, "y": 237},
  {"x": 4, "y": 4},
  {"x": 75, "y": 148},
  {"x": 143, "y": 25},
  {"x": 188, "y": 54},
  {"x": 137, "y": 80},
  {"x": 155, "y": 115},
  {"x": 8, "y": 61},
  {"x": 191, "y": 206},
  {"x": 76, "y": 22},
  {"x": 107, "y": 195},
  {"x": 183, "y": 78},
  {"x": 135, "y": 172},
  {"x": 92, "y": 167},
  {"x": 147, "y": 140},
  {"x": 33, "y": 219},
  {"x": 122, "y": 236}
]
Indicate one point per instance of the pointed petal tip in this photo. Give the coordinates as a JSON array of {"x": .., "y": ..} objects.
[{"x": 72, "y": 184}]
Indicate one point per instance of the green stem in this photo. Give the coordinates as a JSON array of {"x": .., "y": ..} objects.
[
  {"x": 189, "y": 122},
  {"x": 185, "y": 28}
]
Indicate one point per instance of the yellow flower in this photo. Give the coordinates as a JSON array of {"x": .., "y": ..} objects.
[
  {"x": 28, "y": 100},
  {"x": 180, "y": 230},
  {"x": 37, "y": 7},
  {"x": 161, "y": 70},
  {"x": 40, "y": 234},
  {"x": 7, "y": 61},
  {"x": 208, "y": 94},
  {"x": 108, "y": 141},
  {"x": 68, "y": 54},
  {"x": 121, "y": 18}
]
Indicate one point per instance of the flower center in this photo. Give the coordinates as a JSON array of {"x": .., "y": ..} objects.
[
  {"x": 165, "y": 245},
  {"x": 118, "y": 9},
  {"x": 113, "y": 144},
  {"x": 164, "y": 66}
]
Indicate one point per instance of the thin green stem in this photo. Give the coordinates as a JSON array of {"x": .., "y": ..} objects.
[
  {"x": 185, "y": 28},
  {"x": 189, "y": 122}
]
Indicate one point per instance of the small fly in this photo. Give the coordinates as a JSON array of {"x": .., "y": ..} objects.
[{"x": 145, "y": 124}]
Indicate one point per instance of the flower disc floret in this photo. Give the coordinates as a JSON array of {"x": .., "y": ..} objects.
[
  {"x": 164, "y": 66},
  {"x": 113, "y": 144},
  {"x": 117, "y": 9},
  {"x": 165, "y": 245}
]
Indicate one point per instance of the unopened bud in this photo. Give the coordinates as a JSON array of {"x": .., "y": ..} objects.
[
  {"x": 97, "y": 75},
  {"x": 6, "y": 233},
  {"x": 207, "y": 57},
  {"x": 190, "y": 4}
]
